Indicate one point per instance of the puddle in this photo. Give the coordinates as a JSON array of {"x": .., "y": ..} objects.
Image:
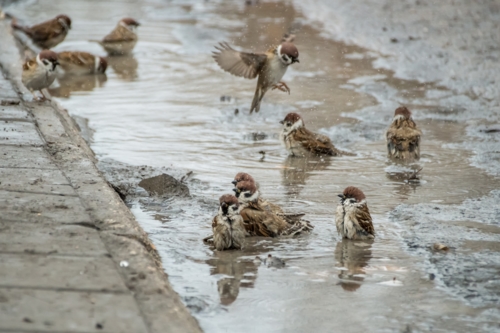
[{"x": 170, "y": 109}]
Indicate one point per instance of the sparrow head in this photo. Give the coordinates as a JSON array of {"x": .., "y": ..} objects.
[
  {"x": 129, "y": 23},
  {"x": 292, "y": 122},
  {"x": 402, "y": 112},
  {"x": 242, "y": 177},
  {"x": 47, "y": 59},
  {"x": 101, "y": 64},
  {"x": 246, "y": 191},
  {"x": 228, "y": 205},
  {"x": 352, "y": 195},
  {"x": 65, "y": 21},
  {"x": 288, "y": 53}
]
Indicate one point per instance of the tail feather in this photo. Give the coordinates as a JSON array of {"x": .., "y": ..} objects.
[
  {"x": 16, "y": 26},
  {"x": 259, "y": 94}
]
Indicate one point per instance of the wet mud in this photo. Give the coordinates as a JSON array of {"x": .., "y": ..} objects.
[{"x": 169, "y": 109}]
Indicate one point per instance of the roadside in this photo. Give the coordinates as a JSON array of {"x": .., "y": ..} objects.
[{"x": 72, "y": 256}]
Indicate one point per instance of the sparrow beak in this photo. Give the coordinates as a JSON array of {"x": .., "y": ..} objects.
[
  {"x": 282, "y": 122},
  {"x": 236, "y": 192},
  {"x": 341, "y": 196},
  {"x": 234, "y": 182}
]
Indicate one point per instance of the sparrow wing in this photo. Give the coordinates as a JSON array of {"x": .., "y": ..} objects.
[
  {"x": 364, "y": 219},
  {"x": 317, "y": 143},
  {"x": 214, "y": 222},
  {"x": 259, "y": 222},
  {"x": 404, "y": 139},
  {"x": 29, "y": 64},
  {"x": 78, "y": 58},
  {"x": 44, "y": 31},
  {"x": 247, "y": 65},
  {"x": 118, "y": 35}
]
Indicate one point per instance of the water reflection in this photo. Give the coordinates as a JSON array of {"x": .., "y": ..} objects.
[
  {"x": 296, "y": 170},
  {"x": 125, "y": 66},
  {"x": 352, "y": 257},
  {"x": 235, "y": 273},
  {"x": 406, "y": 179},
  {"x": 71, "y": 83}
]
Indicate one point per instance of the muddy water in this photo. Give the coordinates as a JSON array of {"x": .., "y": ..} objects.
[{"x": 163, "y": 107}]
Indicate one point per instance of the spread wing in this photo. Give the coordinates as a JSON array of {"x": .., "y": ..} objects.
[
  {"x": 316, "y": 143},
  {"x": 118, "y": 35},
  {"x": 247, "y": 65},
  {"x": 364, "y": 219},
  {"x": 79, "y": 58}
]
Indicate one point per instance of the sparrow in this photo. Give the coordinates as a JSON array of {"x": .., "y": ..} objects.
[
  {"x": 227, "y": 226},
  {"x": 122, "y": 39},
  {"x": 81, "y": 63},
  {"x": 274, "y": 261},
  {"x": 299, "y": 141},
  {"x": 47, "y": 34},
  {"x": 403, "y": 136},
  {"x": 268, "y": 206},
  {"x": 260, "y": 220},
  {"x": 353, "y": 218},
  {"x": 39, "y": 73},
  {"x": 269, "y": 66}
]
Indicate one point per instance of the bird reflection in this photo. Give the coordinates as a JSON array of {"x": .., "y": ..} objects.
[
  {"x": 124, "y": 66},
  {"x": 405, "y": 181},
  {"x": 71, "y": 83},
  {"x": 296, "y": 170},
  {"x": 352, "y": 257},
  {"x": 237, "y": 273}
]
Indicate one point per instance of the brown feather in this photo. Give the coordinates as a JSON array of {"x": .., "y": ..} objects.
[
  {"x": 365, "y": 219},
  {"x": 119, "y": 35},
  {"x": 403, "y": 136},
  {"x": 317, "y": 144},
  {"x": 247, "y": 65}
]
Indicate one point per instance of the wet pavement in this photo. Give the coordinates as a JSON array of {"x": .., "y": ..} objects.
[{"x": 163, "y": 108}]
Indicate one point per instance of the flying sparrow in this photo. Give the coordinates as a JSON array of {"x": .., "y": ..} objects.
[
  {"x": 39, "y": 73},
  {"x": 260, "y": 220},
  {"x": 403, "y": 136},
  {"x": 47, "y": 34},
  {"x": 353, "y": 218},
  {"x": 122, "y": 39},
  {"x": 81, "y": 63},
  {"x": 269, "y": 67},
  {"x": 227, "y": 226},
  {"x": 299, "y": 141}
]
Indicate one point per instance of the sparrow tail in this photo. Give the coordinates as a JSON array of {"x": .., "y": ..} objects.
[
  {"x": 16, "y": 26},
  {"x": 259, "y": 94}
]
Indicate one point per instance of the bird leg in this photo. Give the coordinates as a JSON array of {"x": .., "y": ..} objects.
[
  {"x": 282, "y": 86},
  {"x": 44, "y": 97}
]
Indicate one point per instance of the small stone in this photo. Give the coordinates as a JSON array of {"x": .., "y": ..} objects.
[
  {"x": 440, "y": 247},
  {"x": 124, "y": 263}
]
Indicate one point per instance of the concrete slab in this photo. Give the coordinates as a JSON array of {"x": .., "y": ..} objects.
[
  {"x": 60, "y": 272},
  {"x": 13, "y": 112},
  {"x": 50, "y": 181},
  {"x": 28, "y": 310},
  {"x": 60, "y": 239},
  {"x": 48, "y": 121},
  {"x": 34, "y": 207},
  {"x": 24, "y": 157},
  {"x": 6, "y": 90},
  {"x": 19, "y": 133}
]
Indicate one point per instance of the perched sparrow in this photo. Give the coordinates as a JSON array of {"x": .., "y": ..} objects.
[
  {"x": 403, "y": 136},
  {"x": 269, "y": 66},
  {"x": 81, "y": 63},
  {"x": 353, "y": 218},
  {"x": 299, "y": 141},
  {"x": 47, "y": 34},
  {"x": 122, "y": 39},
  {"x": 39, "y": 73},
  {"x": 227, "y": 226},
  {"x": 260, "y": 220}
]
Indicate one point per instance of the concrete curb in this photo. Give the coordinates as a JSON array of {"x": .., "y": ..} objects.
[{"x": 122, "y": 236}]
